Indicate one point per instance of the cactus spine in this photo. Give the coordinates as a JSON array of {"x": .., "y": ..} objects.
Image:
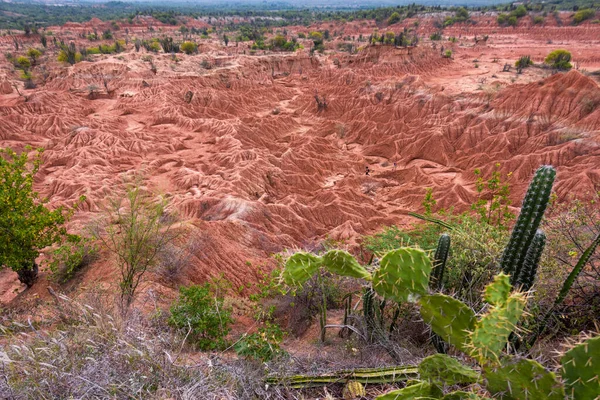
[
  {"x": 440, "y": 258},
  {"x": 532, "y": 211}
]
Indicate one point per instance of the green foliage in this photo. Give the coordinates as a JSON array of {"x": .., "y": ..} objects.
[
  {"x": 583, "y": 14},
  {"x": 436, "y": 36},
  {"x": 189, "y": 47},
  {"x": 394, "y": 18},
  {"x": 581, "y": 370},
  {"x": 428, "y": 202},
  {"x": 441, "y": 369},
  {"x": 448, "y": 54},
  {"x": 524, "y": 62},
  {"x": 517, "y": 379},
  {"x": 451, "y": 319},
  {"x": 493, "y": 203},
  {"x": 23, "y": 62},
  {"x": 168, "y": 45},
  {"x": 403, "y": 274},
  {"x": 264, "y": 345},
  {"x": 280, "y": 42},
  {"x": 26, "y": 224},
  {"x": 34, "y": 54},
  {"x": 538, "y": 19},
  {"x": 73, "y": 255},
  {"x": 519, "y": 12},
  {"x": 69, "y": 54},
  {"x": 559, "y": 59},
  {"x": 201, "y": 312},
  {"x": 532, "y": 211}
]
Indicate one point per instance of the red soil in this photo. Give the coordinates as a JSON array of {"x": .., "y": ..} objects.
[{"x": 253, "y": 165}]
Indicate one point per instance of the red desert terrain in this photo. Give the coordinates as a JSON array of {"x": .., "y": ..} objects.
[{"x": 253, "y": 164}]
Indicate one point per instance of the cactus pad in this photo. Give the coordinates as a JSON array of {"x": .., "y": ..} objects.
[
  {"x": 523, "y": 380},
  {"x": 342, "y": 263},
  {"x": 403, "y": 274},
  {"x": 300, "y": 267},
  {"x": 460, "y": 395},
  {"x": 449, "y": 318},
  {"x": 445, "y": 370},
  {"x": 495, "y": 326},
  {"x": 423, "y": 390},
  {"x": 497, "y": 292},
  {"x": 581, "y": 370}
]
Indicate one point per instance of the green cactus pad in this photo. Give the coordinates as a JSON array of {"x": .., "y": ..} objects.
[
  {"x": 342, "y": 263},
  {"x": 460, "y": 395},
  {"x": 442, "y": 369},
  {"x": 523, "y": 380},
  {"x": 581, "y": 370},
  {"x": 450, "y": 318},
  {"x": 498, "y": 291},
  {"x": 300, "y": 267},
  {"x": 422, "y": 390},
  {"x": 494, "y": 327},
  {"x": 403, "y": 274}
]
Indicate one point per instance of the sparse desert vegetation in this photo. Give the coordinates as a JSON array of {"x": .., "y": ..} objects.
[{"x": 321, "y": 203}]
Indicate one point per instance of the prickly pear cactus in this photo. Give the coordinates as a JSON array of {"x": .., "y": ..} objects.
[
  {"x": 445, "y": 370},
  {"x": 423, "y": 390},
  {"x": 532, "y": 211},
  {"x": 342, "y": 263},
  {"x": 581, "y": 370},
  {"x": 450, "y": 318},
  {"x": 460, "y": 395},
  {"x": 403, "y": 275},
  {"x": 494, "y": 327},
  {"x": 522, "y": 380},
  {"x": 300, "y": 267},
  {"x": 353, "y": 390}
]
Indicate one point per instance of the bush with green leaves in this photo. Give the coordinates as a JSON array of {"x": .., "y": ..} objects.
[
  {"x": 189, "y": 47},
  {"x": 74, "y": 254},
  {"x": 583, "y": 14},
  {"x": 263, "y": 345},
  {"x": 524, "y": 62},
  {"x": 200, "y": 312},
  {"x": 27, "y": 225},
  {"x": 559, "y": 59}
]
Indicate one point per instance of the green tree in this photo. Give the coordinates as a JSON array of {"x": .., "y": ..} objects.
[
  {"x": 26, "y": 224},
  {"x": 33, "y": 54},
  {"x": 559, "y": 59},
  {"x": 394, "y": 18},
  {"x": 23, "y": 63}
]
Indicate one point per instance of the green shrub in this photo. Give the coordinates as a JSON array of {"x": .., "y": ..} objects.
[
  {"x": 201, "y": 311},
  {"x": 189, "y": 47},
  {"x": 502, "y": 19},
  {"x": 523, "y": 62},
  {"x": 582, "y": 15},
  {"x": 23, "y": 62},
  {"x": 394, "y": 18},
  {"x": 559, "y": 59},
  {"x": 76, "y": 253},
  {"x": 512, "y": 20},
  {"x": 263, "y": 345},
  {"x": 519, "y": 12},
  {"x": 538, "y": 20},
  {"x": 436, "y": 36},
  {"x": 93, "y": 50},
  {"x": 448, "y": 54}
]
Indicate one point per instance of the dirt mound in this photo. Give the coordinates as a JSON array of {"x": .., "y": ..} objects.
[{"x": 244, "y": 154}]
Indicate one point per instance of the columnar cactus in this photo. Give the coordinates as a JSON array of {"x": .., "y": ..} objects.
[
  {"x": 527, "y": 274},
  {"x": 439, "y": 262},
  {"x": 532, "y": 211}
]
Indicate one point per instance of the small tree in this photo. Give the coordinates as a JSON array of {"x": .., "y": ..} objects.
[
  {"x": 559, "y": 59},
  {"x": 136, "y": 231},
  {"x": 33, "y": 54},
  {"x": 26, "y": 224},
  {"x": 394, "y": 18}
]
